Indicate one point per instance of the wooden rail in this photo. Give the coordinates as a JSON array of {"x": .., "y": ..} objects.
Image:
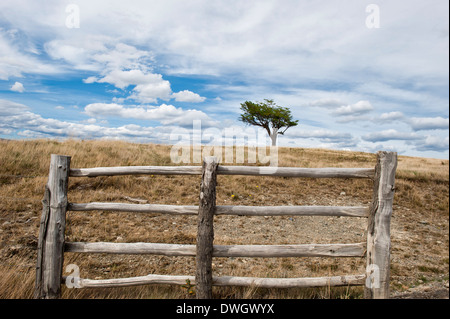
[
  {"x": 305, "y": 250},
  {"x": 334, "y": 281},
  {"x": 226, "y": 170},
  {"x": 349, "y": 211},
  {"x": 51, "y": 245}
]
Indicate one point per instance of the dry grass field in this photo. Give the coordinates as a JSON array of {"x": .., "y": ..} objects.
[{"x": 419, "y": 227}]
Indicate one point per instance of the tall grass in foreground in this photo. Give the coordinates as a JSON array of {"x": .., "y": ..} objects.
[{"x": 420, "y": 220}]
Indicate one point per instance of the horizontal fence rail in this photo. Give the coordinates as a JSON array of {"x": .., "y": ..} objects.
[
  {"x": 135, "y": 170},
  {"x": 348, "y": 211},
  {"x": 135, "y": 208},
  {"x": 296, "y": 171},
  {"x": 225, "y": 170},
  {"x": 333, "y": 281},
  {"x": 305, "y": 250},
  {"x": 52, "y": 245}
]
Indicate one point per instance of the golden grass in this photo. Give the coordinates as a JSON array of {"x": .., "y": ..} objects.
[{"x": 420, "y": 219}]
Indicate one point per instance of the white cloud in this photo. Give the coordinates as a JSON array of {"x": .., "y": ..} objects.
[
  {"x": 125, "y": 56},
  {"x": 149, "y": 87},
  {"x": 151, "y": 92},
  {"x": 14, "y": 62},
  {"x": 91, "y": 79},
  {"x": 390, "y": 134},
  {"x": 5, "y": 131},
  {"x": 166, "y": 114},
  {"x": 122, "y": 79},
  {"x": 327, "y": 102},
  {"x": 433, "y": 143},
  {"x": 104, "y": 109},
  {"x": 77, "y": 56},
  {"x": 413, "y": 96},
  {"x": 17, "y": 87},
  {"x": 428, "y": 123},
  {"x": 98, "y": 53},
  {"x": 324, "y": 136},
  {"x": 391, "y": 116},
  {"x": 187, "y": 96},
  {"x": 8, "y": 108},
  {"x": 15, "y": 117},
  {"x": 358, "y": 108}
]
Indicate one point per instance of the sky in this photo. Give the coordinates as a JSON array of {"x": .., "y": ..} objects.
[{"x": 357, "y": 75}]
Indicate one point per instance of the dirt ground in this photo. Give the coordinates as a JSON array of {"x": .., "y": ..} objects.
[
  {"x": 419, "y": 255},
  {"x": 425, "y": 291}
]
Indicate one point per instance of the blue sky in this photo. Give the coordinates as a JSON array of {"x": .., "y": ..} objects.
[{"x": 356, "y": 78}]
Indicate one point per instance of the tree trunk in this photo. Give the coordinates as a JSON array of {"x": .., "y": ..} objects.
[{"x": 273, "y": 137}]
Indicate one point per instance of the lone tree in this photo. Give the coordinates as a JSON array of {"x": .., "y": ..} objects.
[{"x": 275, "y": 119}]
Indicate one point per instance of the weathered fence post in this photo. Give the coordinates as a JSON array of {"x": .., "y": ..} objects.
[
  {"x": 50, "y": 253},
  {"x": 378, "y": 230},
  {"x": 205, "y": 232}
]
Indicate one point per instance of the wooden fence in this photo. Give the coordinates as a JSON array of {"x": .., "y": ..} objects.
[{"x": 52, "y": 245}]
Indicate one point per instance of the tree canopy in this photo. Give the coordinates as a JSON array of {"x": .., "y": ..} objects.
[{"x": 273, "y": 118}]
